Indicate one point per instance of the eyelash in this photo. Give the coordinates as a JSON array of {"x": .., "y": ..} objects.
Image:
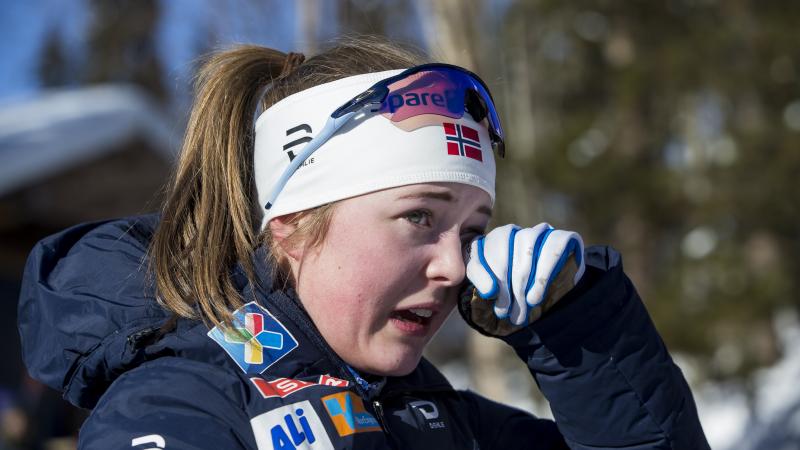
[
  {"x": 466, "y": 243},
  {"x": 419, "y": 212}
]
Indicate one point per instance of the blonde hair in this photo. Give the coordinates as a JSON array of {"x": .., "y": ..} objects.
[{"x": 210, "y": 218}]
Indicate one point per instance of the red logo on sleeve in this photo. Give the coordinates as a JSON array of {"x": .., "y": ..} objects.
[
  {"x": 279, "y": 387},
  {"x": 327, "y": 380}
]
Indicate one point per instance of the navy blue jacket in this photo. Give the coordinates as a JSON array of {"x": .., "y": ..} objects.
[{"x": 91, "y": 328}]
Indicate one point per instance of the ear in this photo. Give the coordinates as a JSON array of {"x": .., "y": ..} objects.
[{"x": 282, "y": 229}]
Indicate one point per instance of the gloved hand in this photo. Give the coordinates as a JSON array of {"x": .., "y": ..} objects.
[{"x": 519, "y": 273}]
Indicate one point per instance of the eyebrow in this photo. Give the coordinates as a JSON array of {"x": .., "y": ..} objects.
[{"x": 446, "y": 196}]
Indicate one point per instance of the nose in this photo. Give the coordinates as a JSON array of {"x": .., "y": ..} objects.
[{"x": 446, "y": 265}]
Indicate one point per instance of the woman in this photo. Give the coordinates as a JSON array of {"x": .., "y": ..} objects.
[{"x": 302, "y": 262}]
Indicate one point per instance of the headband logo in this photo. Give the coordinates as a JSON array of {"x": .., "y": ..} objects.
[
  {"x": 462, "y": 141},
  {"x": 302, "y": 140}
]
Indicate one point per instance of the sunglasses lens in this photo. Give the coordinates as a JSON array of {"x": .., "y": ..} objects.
[
  {"x": 424, "y": 97},
  {"x": 426, "y": 92},
  {"x": 491, "y": 113}
]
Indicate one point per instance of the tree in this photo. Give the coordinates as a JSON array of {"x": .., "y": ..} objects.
[
  {"x": 122, "y": 44},
  {"x": 669, "y": 130}
]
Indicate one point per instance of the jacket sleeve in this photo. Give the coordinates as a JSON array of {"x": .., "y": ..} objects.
[
  {"x": 170, "y": 404},
  {"x": 600, "y": 362},
  {"x": 501, "y": 427}
]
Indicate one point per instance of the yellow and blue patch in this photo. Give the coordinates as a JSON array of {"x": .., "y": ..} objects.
[
  {"x": 348, "y": 414},
  {"x": 256, "y": 340}
]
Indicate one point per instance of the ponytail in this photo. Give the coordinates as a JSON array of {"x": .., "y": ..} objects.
[{"x": 209, "y": 221}]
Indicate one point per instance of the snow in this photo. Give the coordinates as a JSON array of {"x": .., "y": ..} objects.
[
  {"x": 63, "y": 128},
  {"x": 774, "y": 422},
  {"x": 779, "y": 384},
  {"x": 723, "y": 412}
]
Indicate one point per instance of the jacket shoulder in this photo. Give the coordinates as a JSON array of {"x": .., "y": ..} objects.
[
  {"x": 175, "y": 402},
  {"x": 84, "y": 291}
]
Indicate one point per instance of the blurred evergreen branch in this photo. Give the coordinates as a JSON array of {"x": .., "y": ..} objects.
[{"x": 667, "y": 130}]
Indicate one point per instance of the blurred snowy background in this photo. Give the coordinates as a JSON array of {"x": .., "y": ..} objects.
[{"x": 670, "y": 130}]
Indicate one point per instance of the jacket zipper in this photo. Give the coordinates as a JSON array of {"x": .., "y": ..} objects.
[{"x": 376, "y": 404}]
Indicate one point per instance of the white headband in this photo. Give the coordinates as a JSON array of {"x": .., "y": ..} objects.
[{"x": 368, "y": 154}]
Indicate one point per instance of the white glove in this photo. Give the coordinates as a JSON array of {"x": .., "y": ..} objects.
[{"x": 518, "y": 266}]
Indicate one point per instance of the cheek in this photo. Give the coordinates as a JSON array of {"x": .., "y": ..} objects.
[
  {"x": 373, "y": 256},
  {"x": 367, "y": 277},
  {"x": 365, "y": 266}
]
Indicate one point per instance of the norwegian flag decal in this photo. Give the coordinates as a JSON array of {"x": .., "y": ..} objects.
[{"x": 462, "y": 140}]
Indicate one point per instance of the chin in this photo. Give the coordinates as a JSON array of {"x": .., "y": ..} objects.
[{"x": 394, "y": 367}]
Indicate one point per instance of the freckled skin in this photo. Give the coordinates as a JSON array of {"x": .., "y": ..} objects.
[{"x": 375, "y": 260}]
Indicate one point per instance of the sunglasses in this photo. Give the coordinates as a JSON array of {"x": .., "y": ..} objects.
[{"x": 417, "y": 97}]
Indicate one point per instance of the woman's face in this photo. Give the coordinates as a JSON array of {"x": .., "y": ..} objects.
[{"x": 387, "y": 274}]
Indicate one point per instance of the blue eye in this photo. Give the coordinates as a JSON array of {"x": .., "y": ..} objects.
[{"x": 419, "y": 217}]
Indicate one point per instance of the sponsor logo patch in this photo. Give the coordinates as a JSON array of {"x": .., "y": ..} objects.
[
  {"x": 327, "y": 380},
  {"x": 283, "y": 387},
  {"x": 290, "y": 427},
  {"x": 256, "y": 340},
  {"x": 280, "y": 387},
  {"x": 348, "y": 414},
  {"x": 421, "y": 414}
]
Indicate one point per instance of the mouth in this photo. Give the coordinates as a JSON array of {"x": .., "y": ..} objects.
[
  {"x": 415, "y": 321},
  {"x": 415, "y": 315}
]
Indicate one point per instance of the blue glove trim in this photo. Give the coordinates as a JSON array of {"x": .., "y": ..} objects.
[
  {"x": 537, "y": 251},
  {"x": 493, "y": 291},
  {"x": 572, "y": 245},
  {"x": 509, "y": 271}
]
